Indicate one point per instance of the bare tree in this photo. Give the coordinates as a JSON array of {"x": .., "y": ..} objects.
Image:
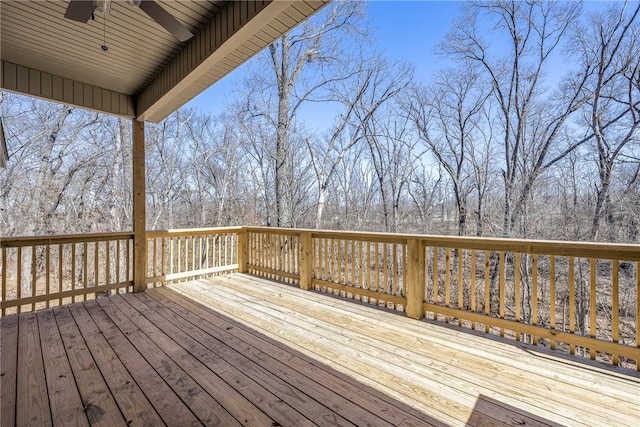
[
  {"x": 531, "y": 120},
  {"x": 303, "y": 62},
  {"x": 376, "y": 83},
  {"x": 610, "y": 43},
  {"x": 446, "y": 119}
]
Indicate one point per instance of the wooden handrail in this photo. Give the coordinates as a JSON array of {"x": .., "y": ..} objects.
[
  {"x": 21, "y": 241},
  {"x": 628, "y": 252},
  {"x": 191, "y": 231}
]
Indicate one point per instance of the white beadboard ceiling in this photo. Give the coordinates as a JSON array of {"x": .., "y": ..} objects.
[{"x": 144, "y": 62}]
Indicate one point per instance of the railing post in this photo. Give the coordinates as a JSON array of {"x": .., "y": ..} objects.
[
  {"x": 242, "y": 250},
  {"x": 139, "y": 210},
  {"x": 306, "y": 260},
  {"x": 415, "y": 279}
]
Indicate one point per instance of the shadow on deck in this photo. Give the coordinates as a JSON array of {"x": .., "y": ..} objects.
[{"x": 238, "y": 350}]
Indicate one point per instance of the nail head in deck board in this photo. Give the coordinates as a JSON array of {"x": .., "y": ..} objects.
[
  {"x": 271, "y": 355},
  {"x": 197, "y": 400},
  {"x": 130, "y": 398},
  {"x": 32, "y": 404},
  {"x": 166, "y": 403},
  {"x": 8, "y": 368},
  {"x": 101, "y": 407},
  {"x": 65, "y": 402}
]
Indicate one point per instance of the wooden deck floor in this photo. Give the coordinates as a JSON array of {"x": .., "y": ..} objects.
[{"x": 241, "y": 350}]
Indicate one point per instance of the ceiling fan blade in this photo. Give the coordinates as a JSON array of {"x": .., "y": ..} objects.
[
  {"x": 165, "y": 19},
  {"x": 80, "y": 10}
]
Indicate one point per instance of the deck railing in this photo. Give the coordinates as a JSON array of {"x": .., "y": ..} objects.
[
  {"x": 581, "y": 298},
  {"x": 39, "y": 272},
  {"x": 179, "y": 255}
]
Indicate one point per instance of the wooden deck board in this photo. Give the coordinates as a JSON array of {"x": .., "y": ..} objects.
[
  {"x": 131, "y": 401},
  {"x": 265, "y": 393},
  {"x": 8, "y": 368},
  {"x": 100, "y": 405},
  {"x": 240, "y": 350},
  {"x": 245, "y": 340},
  {"x": 64, "y": 398},
  {"x": 152, "y": 348},
  {"x": 232, "y": 400},
  {"x": 317, "y": 401},
  {"x": 372, "y": 365},
  {"x": 166, "y": 402},
  {"x": 32, "y": 401},
  {"x": 487, "y": 381}
]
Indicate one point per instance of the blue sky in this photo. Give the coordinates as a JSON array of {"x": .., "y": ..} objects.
[
  {"x": 393, "y": 22},
  {"x": 403, "y": 30}
]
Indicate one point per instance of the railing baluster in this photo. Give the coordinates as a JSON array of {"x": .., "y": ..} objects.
[
  {"x": 385, "y": 268},
  {"x": 572, "y": 301},
  {"x": 447, "y": 280},
  {"x": 353, "y": 263},
  {"x": 5, "y": 267},
  {"x": 85, "y": 255},
  {"x": 472, "y": 286},
  {"x": 404, "y": 269},
  {"x": 154, "y": 268},
  {"x": 592, "y": 305},
  {"x": 96, "y": 266},
  {"x": 47, "y": 271},
  {"x": 325, "y": 264},
  {"x": 460, "y": 293},
  {"x": 128, "y": 260},
  {"x": 179, "y": 255},
  {"x": 231, "y": 250},
  {"x": 34, "y": 275},
  {"x": 206, "y": 252},
  {"x": 290, "y": 242},
  {"x": 377, "y": 266},
  {"x": 518, "y": 298},
  {"x": 19, "y": 278},
  {"x": 436, "y": 279},
  {"x": 171, "y": 255},
  {"x": 361, "y": 265},
  {"x": 487, "y": 290},
  {"x": 200, "y": 259},
  {"x": 107, "y": 264},
  {"x": 394, "y": 285},
  {"x": 503, "y": 296},
  {"x": 61, "y": 271},
  {"x": 534, "y": 293},
  {"x": 367, "y": 266},
  {"x": 615, "y": 309},
  {"x": 118, "y": 252},
  {"x": 552, "y": 296}
]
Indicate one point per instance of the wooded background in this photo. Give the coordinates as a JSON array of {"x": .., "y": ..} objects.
[{"x": 502, "y": 143}]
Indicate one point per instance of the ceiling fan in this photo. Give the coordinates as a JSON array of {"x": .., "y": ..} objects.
[{"x": 82, "y": 11}]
